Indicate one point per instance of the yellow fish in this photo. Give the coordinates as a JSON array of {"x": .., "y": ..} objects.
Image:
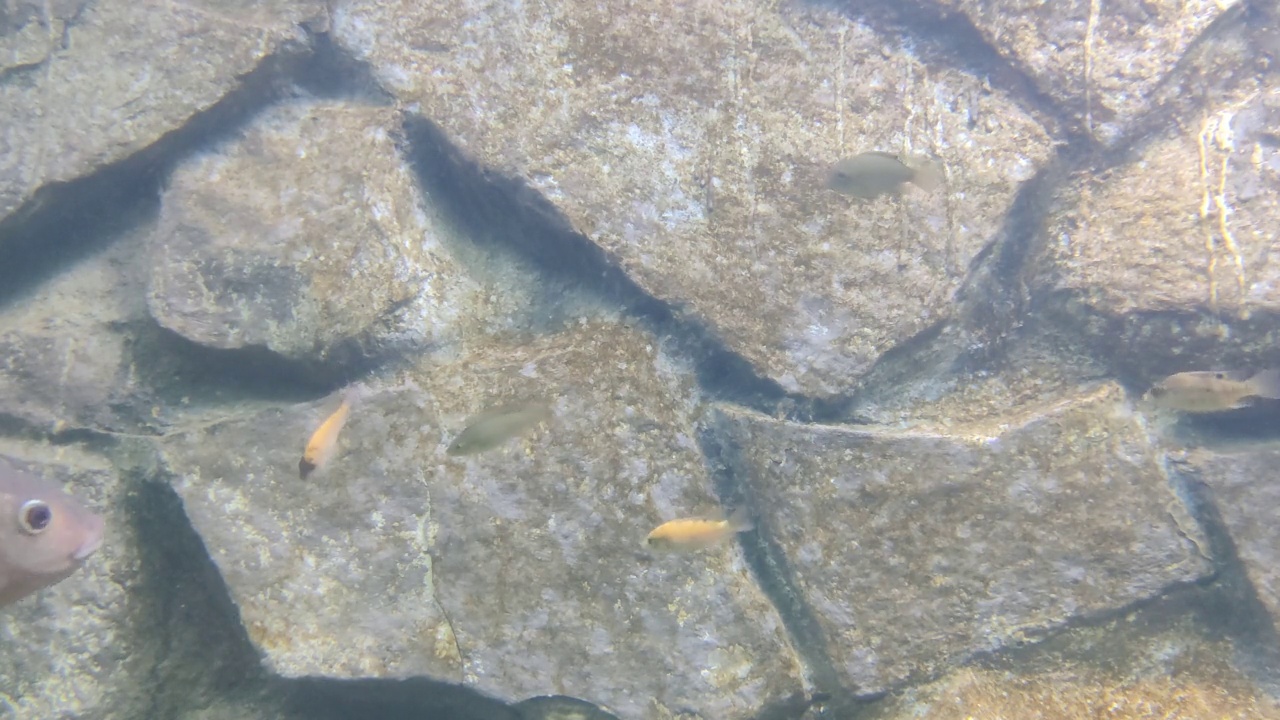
[
  {"x": 324, "y": 440},
  {"x": 491, "y": 428},
  {"x": 690, "y": 534},
  {"x": 1215, "y": 390}
]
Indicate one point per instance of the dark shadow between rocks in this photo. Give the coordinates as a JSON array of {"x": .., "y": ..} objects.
[
  {"x": 943, "y": 36},
  {"x": 179, "y": 370},
  {"x": 769, "y": 565},
  {"x": 1234, "y": 611},
  {"x": 64, "y": 223},
  {"x": 201, "y": 655},
  {"x": 409, "y": 699},
  {"x": 505, "y": 214}
]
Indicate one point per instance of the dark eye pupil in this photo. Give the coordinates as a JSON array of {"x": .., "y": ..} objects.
[{"x": 38, "y": 517}]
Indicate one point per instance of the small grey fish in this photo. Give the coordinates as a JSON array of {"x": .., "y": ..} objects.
[
  {"x": 490, "y": 428},
  {"x": 45, "y": 534},
  {"x": 875, "y": 173}
]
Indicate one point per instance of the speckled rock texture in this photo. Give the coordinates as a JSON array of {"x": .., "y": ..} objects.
[
  {"x": 306, "y": 237},
  {"x": 215, "y": 215},
  {"x": 1105, "y": 60},
  {"x": 64, "y": 364},
  {"x": 1171, "y": 262},
  {"x": 84, "y": 84},
  {"x": 519, "y": 571},
  {"x": 918, "y": 549},
  {"x": 690, "y": 140}
]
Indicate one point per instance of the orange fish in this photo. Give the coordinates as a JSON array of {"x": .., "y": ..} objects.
[
  {"x": 324, "y": 440},
  {"x": 690, "y": 534}
]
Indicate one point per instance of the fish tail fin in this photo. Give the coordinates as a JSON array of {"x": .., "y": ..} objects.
[
  {"x": 927, "y": 175},
  {"x": 1266, "y": 384},
  {"x": 353, "y": 395},
  {"x": 740, "y": 520}
]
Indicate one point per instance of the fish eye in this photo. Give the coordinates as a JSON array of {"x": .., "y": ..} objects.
[
  {"x": 1157, "y": 391},
  {"x": 1219, "y": 376},
  {"x": 34, "y": 517}
]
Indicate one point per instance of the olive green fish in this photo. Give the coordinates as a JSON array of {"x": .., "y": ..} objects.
[
  {"x": 872, "y": 174},
  {"x": 1215, "y": 390},
  {"x": 489, "y": 429}
]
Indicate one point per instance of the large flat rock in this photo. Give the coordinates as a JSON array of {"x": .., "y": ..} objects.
[
  {"x": 915, "y": 549},
  {"x": 519, "y": 571},
  {"x": 690, "y": 140}
]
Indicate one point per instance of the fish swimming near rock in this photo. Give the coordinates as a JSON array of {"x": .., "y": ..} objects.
[
  {"x": 489, "y": 429},
  {"x": 699, "y": 533},
  {"x": 324, "y": 441},
  {"x": 1215, "y": 390},
  {"x": 45, "y": 534},
  {"x": 872, "y": 174}
]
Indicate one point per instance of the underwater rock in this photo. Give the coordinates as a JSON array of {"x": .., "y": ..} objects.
[
  {"x": 518, "y": 571},
  {"x": 1243, "y": 490},
  {"x": 915, "y": 549},
  {"x": 307, "y": 237},
  {"x": 692, "y": 141},
  {"x": 69, "y": 650},
  {"x": 1075, "y": 693},
  {"x": 1170, "y": 263},
  {"x": 1103, "y": 61},
  {"x": 93, "y": 82},
  {"x": 66, "y": 362}
]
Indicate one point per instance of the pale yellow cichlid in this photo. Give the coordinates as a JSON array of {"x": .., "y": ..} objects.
[
  {"x": 1214, "y": 390},
  {"x": 698, "y": 533}
]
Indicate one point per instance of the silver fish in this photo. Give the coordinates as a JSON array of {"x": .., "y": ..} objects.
[
  {"x": 491, "y": 428},
  {"x": 875, "y": 173},
  {"x": 1203, "y": 391},
  {"x": 45, "y": 534}
]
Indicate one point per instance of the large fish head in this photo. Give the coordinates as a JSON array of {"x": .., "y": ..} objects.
[{"x": 45, "y": 534}]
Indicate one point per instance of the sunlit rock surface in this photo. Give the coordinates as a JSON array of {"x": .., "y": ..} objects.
[
  {"x": 64, "y": 363},
  {"x": 307, "y": 237},
  {"x": 519, "y": 571},
  {"x": 1104, "y": 60},
  {"x": 691, "y": 140},
  {"x": 915, "y": 549},
  {"x": 1170, "y": 262},
  {"x": 85, "y": 84}
]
